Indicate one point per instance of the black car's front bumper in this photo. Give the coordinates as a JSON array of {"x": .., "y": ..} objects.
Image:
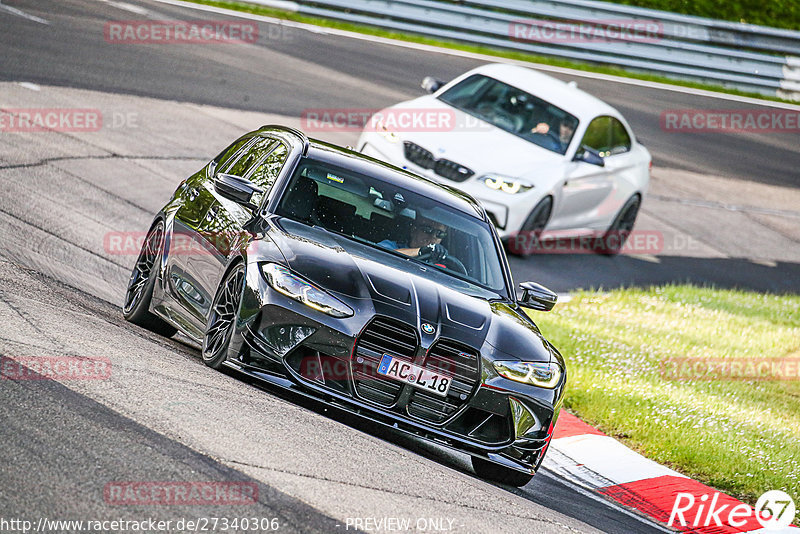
[{"x": 292, "y": 346}]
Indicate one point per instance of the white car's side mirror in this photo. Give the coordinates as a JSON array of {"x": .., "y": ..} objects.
[
  {"x": 431, "y": 84},
  {"x": 589, "y": 155}
]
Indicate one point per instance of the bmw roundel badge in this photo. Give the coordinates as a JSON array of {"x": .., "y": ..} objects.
[{"x": 428, "y": 328}]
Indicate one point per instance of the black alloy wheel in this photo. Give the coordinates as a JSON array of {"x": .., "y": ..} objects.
[
  {"x": 222, "y": 317},
  {"x": 141, "y": 283}
]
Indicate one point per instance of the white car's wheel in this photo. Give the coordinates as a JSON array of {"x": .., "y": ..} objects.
[
  {"x": 532, "y": 228},
  {"x": 617, "y": 234}
]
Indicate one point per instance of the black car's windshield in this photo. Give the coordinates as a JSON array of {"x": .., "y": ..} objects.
[
  {"x": 513, "y": 110},
  {"x": 394, "y": 219}
]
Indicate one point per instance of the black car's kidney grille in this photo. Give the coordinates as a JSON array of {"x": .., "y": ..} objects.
[
  {"x": 381, "y": 336},
  {"x": 455, "y": 360},
  {"x": 443, "y": 167}
]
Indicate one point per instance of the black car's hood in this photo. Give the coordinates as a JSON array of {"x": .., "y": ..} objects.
[{"x": 373, "y": 281}]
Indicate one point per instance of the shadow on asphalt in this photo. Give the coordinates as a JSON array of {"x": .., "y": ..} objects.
[
  {"x": 545, "y": 489},
  {"x": 569, "y": 272}
]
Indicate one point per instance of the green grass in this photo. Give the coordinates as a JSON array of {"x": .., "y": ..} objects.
[
  {"x": 496, "y": 52},
  {"x": 742, "y": 437},
  {"x": 775, "y": 13}
]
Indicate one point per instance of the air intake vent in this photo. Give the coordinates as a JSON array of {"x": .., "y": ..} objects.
[
  {"x": 453, "y": 359},
  {"x": 381, "y": 336}
]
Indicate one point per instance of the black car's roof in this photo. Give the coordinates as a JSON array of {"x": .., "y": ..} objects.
[{"x": 350, "y": 159}]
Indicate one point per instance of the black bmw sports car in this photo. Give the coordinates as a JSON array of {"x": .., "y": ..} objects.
[{"x": 332, "y": 274}]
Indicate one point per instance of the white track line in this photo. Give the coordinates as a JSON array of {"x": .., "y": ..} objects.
[
  {"x": 29, "y": 85},
  {"x": 127, "y": 7},
  {"x": 20, "y": 13},
  {"x": 484, "y": 57}
]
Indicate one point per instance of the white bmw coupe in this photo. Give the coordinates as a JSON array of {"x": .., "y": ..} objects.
[{"x": 539, "y": 154}]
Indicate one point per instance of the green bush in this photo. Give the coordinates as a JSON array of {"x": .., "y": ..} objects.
[{"x": 775, "y": 13}]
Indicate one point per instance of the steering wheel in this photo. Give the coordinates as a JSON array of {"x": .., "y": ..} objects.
[{"x": 450, "y": 262}]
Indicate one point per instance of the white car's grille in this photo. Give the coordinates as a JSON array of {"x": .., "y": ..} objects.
[{"x": 443, "y": 167}]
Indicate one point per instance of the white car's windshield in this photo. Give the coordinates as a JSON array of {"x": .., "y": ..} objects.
[
  {"x": 513, "y": 110},
  {"x": 395, "y": 220}
]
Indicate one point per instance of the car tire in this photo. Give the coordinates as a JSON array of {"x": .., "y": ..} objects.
[
  {"x": 222, "y": 317},
  {"x": 617, "y": 234},
  {"x": 498, "y": 473},
  {"x": 139, "y": 292},
  {"x": 535, "y": 223}
]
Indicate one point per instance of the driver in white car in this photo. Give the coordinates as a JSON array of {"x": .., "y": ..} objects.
[{"x": 565, "y": 130}]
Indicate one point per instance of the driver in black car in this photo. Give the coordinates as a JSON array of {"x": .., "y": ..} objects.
[{"x": 424, "y": 240}]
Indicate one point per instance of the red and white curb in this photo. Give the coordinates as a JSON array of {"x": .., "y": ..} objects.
[{"x": 588, "y": 458}]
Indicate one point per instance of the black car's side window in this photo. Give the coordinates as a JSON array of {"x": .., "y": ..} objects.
[
  {"x": 267, "y": 170},
  {"x": 248, "y": 159},
  {"x": 229, "y": 152}
]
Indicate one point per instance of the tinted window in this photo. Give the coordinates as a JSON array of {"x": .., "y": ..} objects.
[
  {"x": 608, "y": 136},
  {"x": 620, "y": 140},
  {"x": 598, "y": 135},
  {"x": 226, "y": 154},
  {"x": 514, "y": 111},
  {"x": 390, "y": 219},
  {"x": 249, "y": 157},
  {"x": 266, "y": 172}
]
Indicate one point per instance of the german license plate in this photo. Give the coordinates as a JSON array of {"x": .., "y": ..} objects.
[{"x": 401, "y": 370}]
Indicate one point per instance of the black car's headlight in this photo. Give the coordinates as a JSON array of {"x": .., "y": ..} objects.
[
  {"x": 544, "y": 375},
  {"x": 284, "y": 281}
]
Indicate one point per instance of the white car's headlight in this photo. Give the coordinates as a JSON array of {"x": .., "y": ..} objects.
[
  {"x": 505, "y": 184},
  {"x": 385, "y": 132},
  {"x": 544, "y": 375},
  {"x": 283, "y": 281}
]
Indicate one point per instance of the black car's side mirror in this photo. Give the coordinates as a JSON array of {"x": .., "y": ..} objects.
[
  {"x": 431, "y": 84},
  {"x": 537, "y": 297},
  {"x": 589, "y": 155},
  {"x": 236, "y": 188}
]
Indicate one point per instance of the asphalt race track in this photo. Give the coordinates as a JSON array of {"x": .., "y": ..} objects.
[{"x": 727, "y": 206}]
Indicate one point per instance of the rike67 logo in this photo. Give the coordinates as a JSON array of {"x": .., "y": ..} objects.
[{"x": 774, "y": 510}]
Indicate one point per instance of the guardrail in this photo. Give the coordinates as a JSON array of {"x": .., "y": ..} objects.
[{"x": 743, "y": 56}]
